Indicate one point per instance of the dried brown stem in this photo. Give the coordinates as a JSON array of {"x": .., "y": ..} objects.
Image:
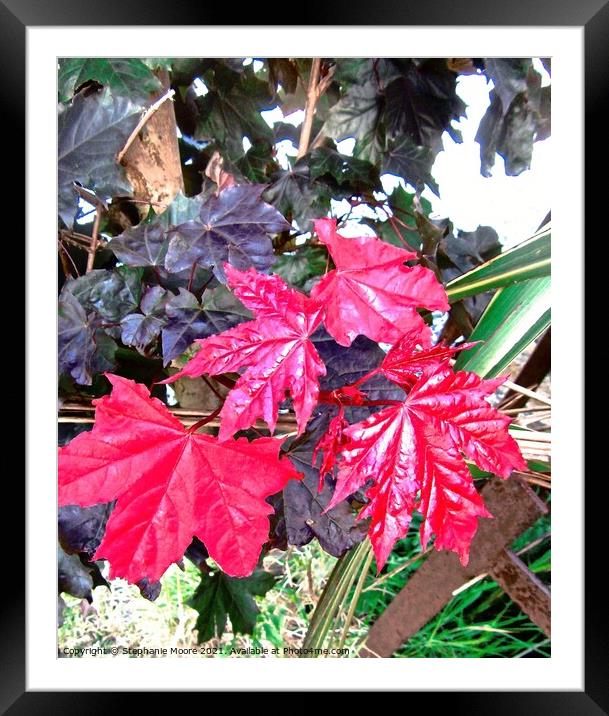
[
  {"x": 94, "y": 239},
  {"x": 84, "y": 413},
  {"x": 64, "y": 257}
]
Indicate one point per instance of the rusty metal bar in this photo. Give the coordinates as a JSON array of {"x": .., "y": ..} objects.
[
  {"x": 524, "y": 588},
  {"x": 515, "y": 508}
]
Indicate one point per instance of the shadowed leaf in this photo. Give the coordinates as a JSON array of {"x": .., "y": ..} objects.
[
  {"x": 91, "y": 132},
  {"x": 219, "y": 597}
]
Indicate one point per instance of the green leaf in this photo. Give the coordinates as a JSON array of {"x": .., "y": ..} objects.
[
  {"x": 256, "y": 162},
  {"x": 182, "y": 209},
  {"x": 219, "y": 596},
  {"x": 357, "y": 173},
  {"x": 356, "y": 115},
  {"x": 401, "y": 203},
  {"x": 292, "y": 193},
  {"x": 231, "y": 110},
  {"x": 509, "y": 76},
  {"x": 530, "y": 259},
  {"x": 357, "y": 71},
  {"x": 298, "y": 267},
  {"x": 539, "y": 466},
  {"x": 515, "y": 316},
  {"x": 128, "y": 77},
  {"x": 163, "y": 63},
  {"x": 517, "y": 116},
  {"x": 112, "y": 294},
  {"x": 405, "y": 159}
]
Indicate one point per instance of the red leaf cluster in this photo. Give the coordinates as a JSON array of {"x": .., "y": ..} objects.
[{"x": 172, "y": 484}]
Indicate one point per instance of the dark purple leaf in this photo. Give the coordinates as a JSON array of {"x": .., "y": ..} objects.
[
  {"x": 81, "y": 528},
  {"x": 422, "y": 102},
  {"x": 346, "y": 365},
  {"x": 303, "y": 508},
  {"x": 187, "y": 319},
  {"x": 149, "y": 590},
  {"x": 233, "y": 227},
  {"x": 84, "y": 349},
  {"x": 196, "y": 552},
  {"x": 141, "y": 245},
  {"x": 141, "y": 329},
  {"x": 72, "y": 576},
  {"x": 146, "y": 244}
]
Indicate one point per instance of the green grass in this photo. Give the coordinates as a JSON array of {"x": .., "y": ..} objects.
[{"x": 480, "y": 621}]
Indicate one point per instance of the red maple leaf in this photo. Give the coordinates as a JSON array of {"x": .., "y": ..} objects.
[
  {"x": 170, "y": 484},
  {"x": 275, "y": 348},
  {"x": 408, "y": 357},
  {"x": 371, "y": 291},
  {"x": 412, "y": 452}
]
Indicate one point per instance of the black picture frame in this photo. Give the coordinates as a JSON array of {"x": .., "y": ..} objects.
[{"x": 593, "y": 15}]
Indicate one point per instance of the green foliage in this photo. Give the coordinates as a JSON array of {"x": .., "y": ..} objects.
[
  {"x": 513, "y": 319},
  {"x": 297, "y": 267},
  {"x": 530, "y": 259},
  {"x": 219, "y": 596},
  {"x": 129, "y": 77}
]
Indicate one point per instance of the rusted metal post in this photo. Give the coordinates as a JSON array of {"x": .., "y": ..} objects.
[
  {"x": 515, "y": 508},
  {"x": 524, "y": 588}
]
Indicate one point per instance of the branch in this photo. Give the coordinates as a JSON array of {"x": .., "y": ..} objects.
[
  {"x": 312, "y": 97},
  {"x": 94, "y": 239},
  {"x": 317, "y": 86}
]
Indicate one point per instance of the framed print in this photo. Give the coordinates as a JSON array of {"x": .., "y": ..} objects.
[{"x": 298, "y": 353}]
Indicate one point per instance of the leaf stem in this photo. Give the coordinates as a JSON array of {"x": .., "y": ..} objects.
[
  {"x": 205, "y": 420},
  {"x": 396, "y": 228}
]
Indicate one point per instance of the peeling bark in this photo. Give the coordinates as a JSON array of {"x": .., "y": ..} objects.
[{"x": 152, "y": 162}]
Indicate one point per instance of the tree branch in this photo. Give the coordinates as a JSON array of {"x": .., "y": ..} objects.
[{"x": 313, "y": 95}]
